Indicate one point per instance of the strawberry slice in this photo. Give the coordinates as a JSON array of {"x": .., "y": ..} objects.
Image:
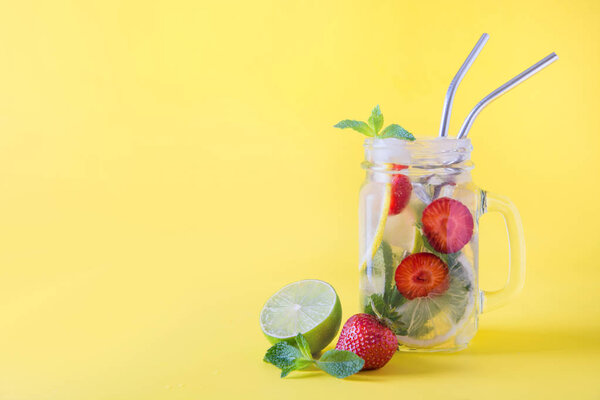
[
  {"x": 401, "y": 190},
  {"x": 420, "y": 275},
  {"x": 447, "y": 224}
]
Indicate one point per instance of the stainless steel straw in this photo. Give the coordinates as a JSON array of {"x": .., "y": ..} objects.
[
  {"x": 466, "y": 126},
  {"x": 447, "y": 110}
]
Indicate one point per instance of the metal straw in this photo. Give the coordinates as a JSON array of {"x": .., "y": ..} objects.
[
  {"x": 466, "y": 126},
  {"x": 447, "y": 110}
]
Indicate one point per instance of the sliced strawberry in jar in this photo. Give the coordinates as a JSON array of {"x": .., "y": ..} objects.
[
  {"x": 401, "y": 191},
  {"x": 447, "y": 224},
  {"x": 420, "y": 275}
]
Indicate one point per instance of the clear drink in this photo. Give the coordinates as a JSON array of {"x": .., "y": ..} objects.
[{"x": 419, "y": 212}]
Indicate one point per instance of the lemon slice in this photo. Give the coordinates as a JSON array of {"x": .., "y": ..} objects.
[
  {"x": 375, "y": 228},
  {"x": 431, "y": 321}
]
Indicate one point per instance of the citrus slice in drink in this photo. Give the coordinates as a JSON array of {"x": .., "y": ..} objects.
[
  {"x": 402, "y": 233},
  {"x": 310, "y": 307},
  {"x": 432, "y": 320},
  {"x": 377, "y": 201}
]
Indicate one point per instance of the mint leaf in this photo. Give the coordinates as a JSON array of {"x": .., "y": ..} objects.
[
  {"x": 394, "y": 298},
  {"x": 288, "y": 358},
  {"x": 335, "y": 362},
  {"x": 358, "y": 126},
  {"x": 388, "y": 265},
  {"x": 299, "y": 363},
  {"x": 396, "y": 131},
  {"x": 451, "y": 259},
  {"x": 373, "y": 128},
  {"x": 303, "y": 346},
  {"x": 376, "y": 119},
  {"x": 282, "y": 355},
  {"x": 383, "y": 263},
  {"x": 286, "y": 370},
  {"x": 375, "y": 305},
  {"x": 340, "y": 363}
]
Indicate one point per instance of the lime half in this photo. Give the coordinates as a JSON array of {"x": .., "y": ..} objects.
[{"x": 310, "y": 307}]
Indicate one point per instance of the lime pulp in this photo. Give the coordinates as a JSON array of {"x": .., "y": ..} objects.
[{"x": 310, "y": 307}]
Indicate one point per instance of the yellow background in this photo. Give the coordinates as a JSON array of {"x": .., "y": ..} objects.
[{"x": 165, "y": 166}]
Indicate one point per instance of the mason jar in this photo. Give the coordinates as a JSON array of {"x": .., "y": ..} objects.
[{"x": 419, "y": 244}]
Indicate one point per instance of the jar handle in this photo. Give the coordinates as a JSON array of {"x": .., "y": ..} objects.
[{"x": 516, "y": 243}]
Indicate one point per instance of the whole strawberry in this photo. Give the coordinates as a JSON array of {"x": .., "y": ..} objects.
[{"x": 369, "y": 339}]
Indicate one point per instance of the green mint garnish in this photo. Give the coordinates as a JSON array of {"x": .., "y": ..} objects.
[
  {"x": 396, "y": 131},
  {"x": 338, "y": 363},
  {"x": 282, "y": 355},
  {"x": 358, "y": 126},
  {"x": 376, "y": 119},
  {"x": 451, "y": 259},
  {"x": 412, "y": 318},
  {"x": 303, "y": 345},
  {"x": 374, "y": 125}
]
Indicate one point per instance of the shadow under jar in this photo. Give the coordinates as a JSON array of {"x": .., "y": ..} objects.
[{"x": 418, "y": 234}]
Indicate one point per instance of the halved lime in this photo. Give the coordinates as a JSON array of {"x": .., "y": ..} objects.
[{"x": 310, "y": 307}]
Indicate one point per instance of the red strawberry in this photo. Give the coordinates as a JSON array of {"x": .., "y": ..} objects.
[
  {"x": 401, "y": 190},
  {"x": 421, "y": 274},
  {"x": 369, "y": 339},
  {"x": 448, "y": 225}
]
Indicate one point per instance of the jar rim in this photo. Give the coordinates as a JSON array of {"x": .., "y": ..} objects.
[
  {"x": 435, "y": 155},
  {"x": 433, "y": 143}
]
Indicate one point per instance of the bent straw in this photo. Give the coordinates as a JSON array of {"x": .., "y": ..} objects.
[
  {"x": 447, "y": 110},
  {"x": 466, "y": 126}
]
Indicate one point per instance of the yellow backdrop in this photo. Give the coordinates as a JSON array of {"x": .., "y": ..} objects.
[{"x": 167, "y": 165}]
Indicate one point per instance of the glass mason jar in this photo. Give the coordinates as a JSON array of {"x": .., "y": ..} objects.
[{"x": 419, "y": 213}]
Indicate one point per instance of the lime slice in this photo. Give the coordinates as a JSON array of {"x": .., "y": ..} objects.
[
  {"x": 375, "y": 228},
  {"x": 402, "y": 233},
  {"x": 431, "y": 321},
  {"x": 310, "y": 307}
]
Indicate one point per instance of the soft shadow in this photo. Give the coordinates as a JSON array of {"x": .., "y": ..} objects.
[
  {"x": 303, "y": 374},
  {"x": 410, "y": 364},
  {"x": 529, "y": 340},
  {"x": 486, "y": 342}
]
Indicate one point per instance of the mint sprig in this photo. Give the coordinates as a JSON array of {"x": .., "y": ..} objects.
[
  {"x": 338, "y": 363},
  {"x": 372, "y": 128}
]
